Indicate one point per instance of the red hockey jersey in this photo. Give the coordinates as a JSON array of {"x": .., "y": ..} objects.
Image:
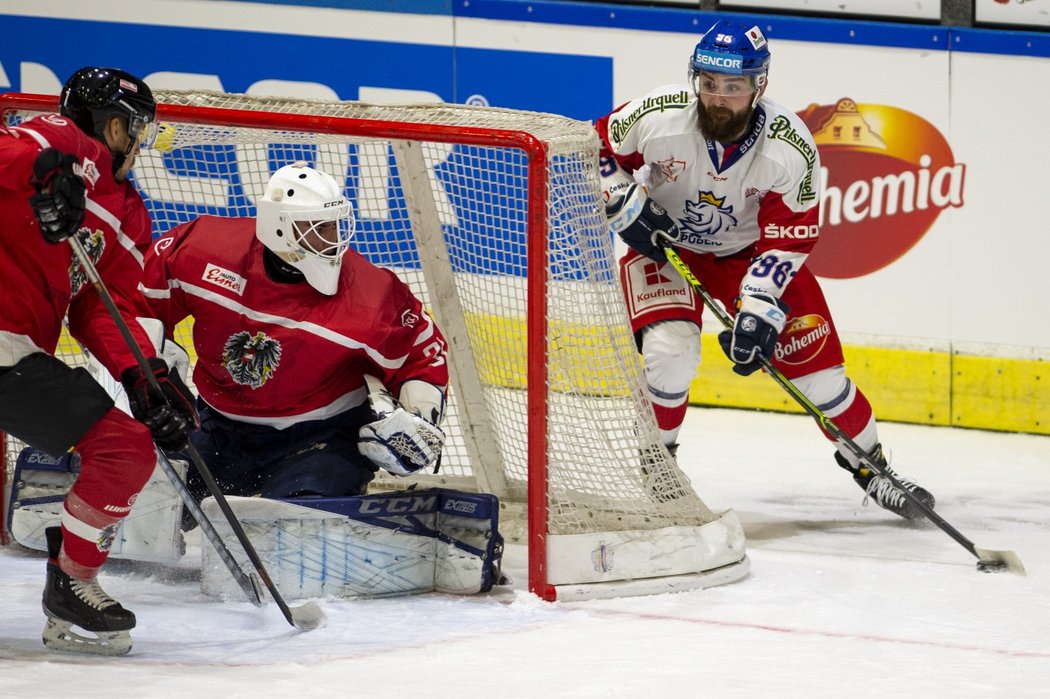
[
  {"x": 275, "y": 353},
  {"x": 40, "y": 282}
]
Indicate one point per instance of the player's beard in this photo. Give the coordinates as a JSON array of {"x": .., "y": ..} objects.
[{"x": 722, "y": 124}]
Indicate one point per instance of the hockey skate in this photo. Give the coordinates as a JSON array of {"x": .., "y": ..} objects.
[
  {"x": 657, "y": 477},
  {"x": 82, "y": 604},
  {"x": 882, "y": 491}
]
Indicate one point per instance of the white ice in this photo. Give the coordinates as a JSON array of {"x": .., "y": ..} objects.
[{"x": 842, "y": 600}]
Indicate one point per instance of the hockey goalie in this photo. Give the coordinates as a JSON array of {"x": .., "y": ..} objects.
[{"x": 288, "y": 321}]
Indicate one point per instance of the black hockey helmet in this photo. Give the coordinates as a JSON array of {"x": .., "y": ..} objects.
[{"x": 93, "y": 95}]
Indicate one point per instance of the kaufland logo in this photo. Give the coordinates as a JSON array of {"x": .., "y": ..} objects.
[{"x": 886, "y": 175}]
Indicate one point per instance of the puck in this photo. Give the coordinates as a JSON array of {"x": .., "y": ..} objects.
[{"x": 991, "y": 566}]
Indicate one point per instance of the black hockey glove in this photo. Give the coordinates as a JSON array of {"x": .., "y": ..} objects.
[
  {"x": 169, "y": 416},
  {"x": 59, "y": 199},
  {"x": 759, "y": 320}
]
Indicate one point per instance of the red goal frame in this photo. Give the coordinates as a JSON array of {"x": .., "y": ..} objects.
[{"x": 536, "y": 372}]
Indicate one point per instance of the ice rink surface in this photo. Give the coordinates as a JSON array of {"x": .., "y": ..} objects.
[{"x": 842, "y": 600}]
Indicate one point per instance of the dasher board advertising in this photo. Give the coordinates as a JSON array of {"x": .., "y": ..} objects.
[{"x": 897, "y": 9}]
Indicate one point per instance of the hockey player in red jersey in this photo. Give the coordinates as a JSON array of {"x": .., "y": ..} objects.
[
  {"x": 288, "y": 321},
  {"x": 66, "y": 174},
  {"x": 732, "y": 179}
]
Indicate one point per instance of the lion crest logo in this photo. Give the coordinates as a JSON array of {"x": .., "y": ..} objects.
[
  {"x": 708, "y": 215},
  {"x": 251, "y": 359},
  {"x": 94, "y": 245}
]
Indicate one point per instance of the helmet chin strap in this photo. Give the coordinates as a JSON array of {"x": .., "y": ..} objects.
[
  {"x": 118, "y": 157},
  {"x": 760, "y": 84},
  {"x": 118, "y": 161},
  {"x": 279, "y": 270}
]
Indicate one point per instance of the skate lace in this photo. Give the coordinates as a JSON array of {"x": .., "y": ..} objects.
[
  {"x": 884, "y": 492},
  {"x": 91, "y": 593}
]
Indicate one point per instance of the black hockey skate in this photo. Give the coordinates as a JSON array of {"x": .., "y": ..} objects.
[
  {"x": 658, "y": 478},
  {"x": 70, "y": 602},
  {"x": 883, "y": 492}
]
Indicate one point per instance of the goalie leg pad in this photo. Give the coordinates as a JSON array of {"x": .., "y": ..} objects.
[
  {"x": 435, "y": 540},
  {"x": 39, "y": 486},
  {"x": 151, "y": 531}
]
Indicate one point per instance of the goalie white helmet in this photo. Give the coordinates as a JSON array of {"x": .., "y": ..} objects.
[{"x": 304, "y": 218}]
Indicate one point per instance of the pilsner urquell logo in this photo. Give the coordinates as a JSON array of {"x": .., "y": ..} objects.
[{"x": 886, "y": 175}]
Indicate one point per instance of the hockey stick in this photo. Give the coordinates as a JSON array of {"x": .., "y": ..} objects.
[
  {"x": 988, "y": 560},
  {"x": 249, "y": 583},
  {"x": 305, "y": 617}
]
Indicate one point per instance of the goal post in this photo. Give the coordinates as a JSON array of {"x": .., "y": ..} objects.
[{"x": 494, "y": 218}]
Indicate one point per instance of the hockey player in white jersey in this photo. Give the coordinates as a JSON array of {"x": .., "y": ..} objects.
[{"x": 732, "y": 179}]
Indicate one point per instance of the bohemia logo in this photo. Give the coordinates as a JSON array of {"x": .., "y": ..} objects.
[
  {"x": 802, "y": 339},
  {"x": 886, "y": 175}
]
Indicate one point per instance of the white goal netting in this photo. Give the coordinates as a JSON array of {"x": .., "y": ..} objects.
[{"x": 494, "y": 218}]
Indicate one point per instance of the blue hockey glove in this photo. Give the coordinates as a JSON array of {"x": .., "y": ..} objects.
[
  {"x": 759, "y": 320},
  {"x": 638, "y": 220}
]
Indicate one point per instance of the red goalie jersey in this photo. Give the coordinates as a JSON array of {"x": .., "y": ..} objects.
[{"x": 277, "y": 354}]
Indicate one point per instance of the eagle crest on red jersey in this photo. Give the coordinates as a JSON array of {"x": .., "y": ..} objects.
[{"x": 251, "y": 359}]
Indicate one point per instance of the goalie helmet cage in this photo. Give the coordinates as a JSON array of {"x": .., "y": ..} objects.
[{"x": 494, "y": 218}]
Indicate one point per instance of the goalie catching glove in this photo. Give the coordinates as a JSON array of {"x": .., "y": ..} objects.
[
  {"x": 638, "y": 220},
  {"x": 401, "y": 442}
]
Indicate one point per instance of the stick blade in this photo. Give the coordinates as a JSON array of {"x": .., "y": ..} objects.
[
  {"x": 307, "y": 617},
  {"x": 990, "y": 561}
]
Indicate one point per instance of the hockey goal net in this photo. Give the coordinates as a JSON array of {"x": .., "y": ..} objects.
[{"x": 494, "y": 219}]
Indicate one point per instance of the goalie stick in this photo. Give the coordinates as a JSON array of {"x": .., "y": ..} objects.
[
  {"x": 306, "y": 616},
  {"x": 988, "y": 560}
]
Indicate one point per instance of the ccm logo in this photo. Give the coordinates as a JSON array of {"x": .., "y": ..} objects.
[{"x": 774, "y": 231}]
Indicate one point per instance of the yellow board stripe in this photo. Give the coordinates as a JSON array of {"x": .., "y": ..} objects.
[{"x": 922, "y": 387}]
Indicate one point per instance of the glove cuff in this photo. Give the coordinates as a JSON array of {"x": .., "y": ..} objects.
[{"x": 771, "y": 310}]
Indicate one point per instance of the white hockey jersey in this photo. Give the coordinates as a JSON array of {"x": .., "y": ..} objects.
[{"x": 759, "y": 195}]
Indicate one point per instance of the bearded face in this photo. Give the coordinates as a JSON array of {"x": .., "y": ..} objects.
[
  {"x": 720, "y": 123},
  {"x": 726, "y": 103}
]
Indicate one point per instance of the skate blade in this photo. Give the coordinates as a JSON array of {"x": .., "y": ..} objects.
[{"x": 59, "y": 635}]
